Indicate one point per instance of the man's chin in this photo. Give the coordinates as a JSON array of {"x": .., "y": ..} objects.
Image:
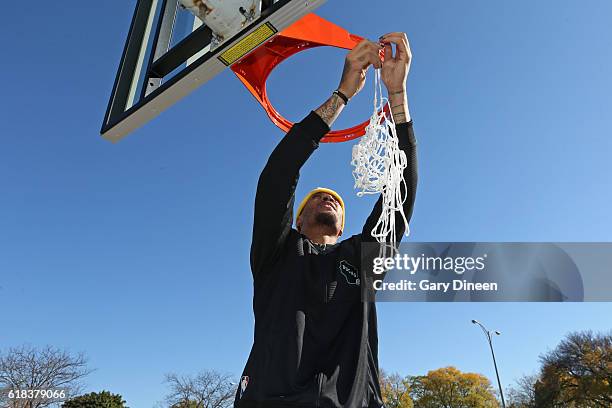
[{"x": 327, "y": 218}]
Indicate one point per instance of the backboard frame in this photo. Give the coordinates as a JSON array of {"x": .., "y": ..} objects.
[{"x": 157, "y": 95}]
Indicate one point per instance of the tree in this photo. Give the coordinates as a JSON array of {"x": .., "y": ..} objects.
[
  {"x": 523, "y": 394},
  {"x": 450, "y": 388},
  {"x": 189, "y": 404},
  {"x": 29, "y": 368},
  {"x": 578, "y": 373},
  {"x": 103, "y": 399},
  {"x": 395, "y": 390},
  {"x": 208, "y": 389}
]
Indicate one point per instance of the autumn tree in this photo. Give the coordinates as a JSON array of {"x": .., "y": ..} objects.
[
  {"x": 578, "y": 373},
  {"x": 395, "y": 390},
  {"x": 450, "y": 388}
]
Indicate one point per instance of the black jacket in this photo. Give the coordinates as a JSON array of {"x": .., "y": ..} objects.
[{"x": 316, "y": 342}]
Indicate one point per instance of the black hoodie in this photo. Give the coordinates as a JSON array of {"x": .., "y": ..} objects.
[{"x": 316, "y": 341}]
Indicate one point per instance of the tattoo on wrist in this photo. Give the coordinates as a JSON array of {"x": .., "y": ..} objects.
[
  {"x": 342, "y": 96},
  {"x": 330, "y": 109},
  {"x": 396, "y": 92},
  {"x": 400, "y": 118}
]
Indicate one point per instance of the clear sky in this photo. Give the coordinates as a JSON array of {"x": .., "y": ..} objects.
[{"x": 137, "y": 253}]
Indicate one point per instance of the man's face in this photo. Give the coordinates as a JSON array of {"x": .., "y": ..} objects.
[{"x": 322, "y": 208}]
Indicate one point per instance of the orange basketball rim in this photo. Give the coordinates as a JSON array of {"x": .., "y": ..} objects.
[{"x": 309, "y": 32}]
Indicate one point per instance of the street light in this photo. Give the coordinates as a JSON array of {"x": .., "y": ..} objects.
[{"x": 490, "y": 340}]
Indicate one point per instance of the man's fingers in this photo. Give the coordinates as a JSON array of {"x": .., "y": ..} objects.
[
  {"x": 374, "y": 58},
  {"x": 388, "y": 52},
  {"x": 395, "y": 36},
  {"x": 401, "y": 42},
  {"x": 367, "y": 45},
  {"x": 366, "y": 53},
  {"x": 402, "y": 50}
]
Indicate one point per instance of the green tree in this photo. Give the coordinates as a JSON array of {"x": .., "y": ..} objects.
[
  {"x": 188, "y": 404},
  {"x": 578, "y": 373},
  {"x": 450, "y": 388},
  {"x": 395, "y": 390},
  {"x": 103, "y": 399}
]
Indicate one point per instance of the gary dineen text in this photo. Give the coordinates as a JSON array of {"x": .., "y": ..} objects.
[{"x": 422, "y": 263}]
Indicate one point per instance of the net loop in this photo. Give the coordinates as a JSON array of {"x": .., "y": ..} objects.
[{"x": 379, "y": 166}]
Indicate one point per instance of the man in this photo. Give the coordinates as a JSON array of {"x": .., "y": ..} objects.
[{"x": 316, "y": 341}]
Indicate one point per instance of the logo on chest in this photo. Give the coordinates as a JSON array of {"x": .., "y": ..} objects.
[{"x": 350, "y": 273}]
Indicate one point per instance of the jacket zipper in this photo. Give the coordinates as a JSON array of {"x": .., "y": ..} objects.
[{"x": 325, "y": 288}]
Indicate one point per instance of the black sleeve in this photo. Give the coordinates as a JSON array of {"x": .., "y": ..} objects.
[
  {"x": 407, "y": 142},
  {"x": 276, "y": 189}
]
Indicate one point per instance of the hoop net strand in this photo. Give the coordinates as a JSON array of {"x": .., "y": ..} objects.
[{"x": 379, "y": 166}]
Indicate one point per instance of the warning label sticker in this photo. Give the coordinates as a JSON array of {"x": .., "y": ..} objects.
[{"x": 256, "y": 38}]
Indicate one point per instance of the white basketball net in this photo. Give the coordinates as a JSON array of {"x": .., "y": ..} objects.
[{"x": 379, "y": 168}]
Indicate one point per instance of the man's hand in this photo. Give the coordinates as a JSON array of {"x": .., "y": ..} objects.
[
  {"x": 394, "y": 73},
  {"x": 395, "y": 68},
  {"x": 356, "y": 64}
]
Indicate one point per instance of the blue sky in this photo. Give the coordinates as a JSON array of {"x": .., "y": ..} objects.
[{"x": 137, "y": 253}]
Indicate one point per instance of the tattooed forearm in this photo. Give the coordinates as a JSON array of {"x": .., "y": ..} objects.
[
  {"x": 399, "y": 107},
  {"x": 330, "y": 110}
]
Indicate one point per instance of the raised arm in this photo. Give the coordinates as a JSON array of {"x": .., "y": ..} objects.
[
  {"x": 394, "y": 74},
  {"x": 276, "y": 187}
]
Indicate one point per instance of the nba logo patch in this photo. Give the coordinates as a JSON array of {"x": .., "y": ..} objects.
[{"x": 244, "y": 382}]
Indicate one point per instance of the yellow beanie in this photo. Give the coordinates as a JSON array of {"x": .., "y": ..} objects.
[{"x": 321, "y": 190}]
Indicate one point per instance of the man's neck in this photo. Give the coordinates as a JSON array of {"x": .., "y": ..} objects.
[{"x": 320, "y": 234}]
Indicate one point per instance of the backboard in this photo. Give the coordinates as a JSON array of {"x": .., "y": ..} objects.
[{"x": 174, "y": 46}]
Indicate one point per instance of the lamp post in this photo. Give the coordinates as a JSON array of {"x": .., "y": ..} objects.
[{"x": 488, "y": 334}]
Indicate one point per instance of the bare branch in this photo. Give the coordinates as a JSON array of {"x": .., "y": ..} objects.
[
  {"x": 27, "y": 367},
  {"x": 208, "y": 389}
]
